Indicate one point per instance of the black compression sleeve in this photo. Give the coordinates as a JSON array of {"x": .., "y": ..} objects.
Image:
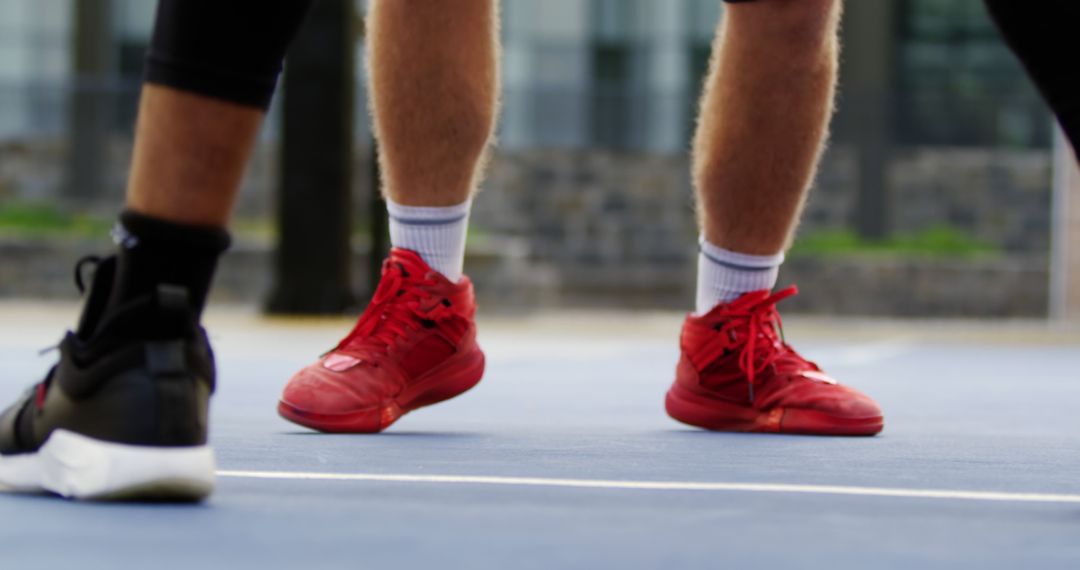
[
  {"x": 1043, "y": 36},
  {"x": 227, "y": 49}
]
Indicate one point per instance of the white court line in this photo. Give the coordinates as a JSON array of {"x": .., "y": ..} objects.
[
  {"x": 870, "y": 353},
  {"x": 666, "y": 486}
]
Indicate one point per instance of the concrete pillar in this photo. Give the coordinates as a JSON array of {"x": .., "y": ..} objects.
[
  {"x": 1065, "y": 246},
  {"x": 867, "y": 87}
]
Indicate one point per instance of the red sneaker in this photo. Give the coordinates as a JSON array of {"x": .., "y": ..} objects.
[
  {"x": 415, "y": 345},
  {"x": 736, "y": 373}
]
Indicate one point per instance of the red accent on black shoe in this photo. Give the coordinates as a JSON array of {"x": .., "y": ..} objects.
[
  {"x": 415, "y": 345},
  {"x": 736, "y": 373},
  {"x": 40, "y": 392}
]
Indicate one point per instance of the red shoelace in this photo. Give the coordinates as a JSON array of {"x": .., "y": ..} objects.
[
  {"x": 757, "y": 327},
  {"x": 401, "y": 305}
]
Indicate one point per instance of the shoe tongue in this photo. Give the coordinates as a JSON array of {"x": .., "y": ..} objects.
[
  {"x": 410, "y": 261},
  {"x": 750, "y": 298},
  {"x": 739, "y": 304},
  {"x": 164, "y": 313},
  {"x": 97, "y": 298}
]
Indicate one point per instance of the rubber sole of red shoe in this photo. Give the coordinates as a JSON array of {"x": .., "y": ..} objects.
[
  {"x": 452, "y": 378},
  {"x": 716, "y": 415}
]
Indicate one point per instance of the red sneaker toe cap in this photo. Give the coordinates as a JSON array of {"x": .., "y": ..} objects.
[
  {"x": 317, "y": 389},
  {"x": 833, "y": 399}
]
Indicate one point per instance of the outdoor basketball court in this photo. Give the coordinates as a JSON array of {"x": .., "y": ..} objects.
[{"x": 563, "y": 458}]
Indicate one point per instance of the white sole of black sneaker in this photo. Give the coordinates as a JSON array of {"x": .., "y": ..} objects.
[{"x": 78, "y": 467}]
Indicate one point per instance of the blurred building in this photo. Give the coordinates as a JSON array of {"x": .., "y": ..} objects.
[
  {"x": 626, "y": 74},
  {"x": 937, "y": 126},
  {"x": 587, "y": 73},
  {"x": 38, "y": 63},
  {"x": 34, "y": 66},
  {"x": 620, "y": 74}
]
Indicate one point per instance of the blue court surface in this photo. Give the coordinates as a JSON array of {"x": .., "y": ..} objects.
[{"x": 563, "y": 458}]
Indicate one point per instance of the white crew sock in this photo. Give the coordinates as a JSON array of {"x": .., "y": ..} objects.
[
  {"x": 436, "y": 234},
  {"x": 725, "y": 275}
]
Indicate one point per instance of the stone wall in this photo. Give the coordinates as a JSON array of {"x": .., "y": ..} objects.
[
  {"x": 507, "y": 280},
  {"x": 599, "y": 207},
  {"x": 1071, "y": 253},
  {"x": 617, "y": 229}
]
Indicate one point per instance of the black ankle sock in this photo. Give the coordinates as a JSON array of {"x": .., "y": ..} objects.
[{"x": 153, "y": 252}]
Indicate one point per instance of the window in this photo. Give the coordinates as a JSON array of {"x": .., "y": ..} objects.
[{"x": 958, "y": 82}]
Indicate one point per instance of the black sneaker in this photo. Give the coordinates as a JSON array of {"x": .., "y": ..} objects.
[{"x": 123, "y": 414}]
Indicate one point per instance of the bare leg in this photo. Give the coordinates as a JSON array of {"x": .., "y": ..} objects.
[
  {"x": 129, "y": 398},
  {"x": 434, "y": 81},
  {"x": 190, "y": 155},
  {"x": 763, "y": 122},
  {"x": 434, "y": 94}
]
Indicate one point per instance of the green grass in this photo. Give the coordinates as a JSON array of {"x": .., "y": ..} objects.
[
  {"x": 41, "y": 219},
  {"x": 939, "y": 241}
]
